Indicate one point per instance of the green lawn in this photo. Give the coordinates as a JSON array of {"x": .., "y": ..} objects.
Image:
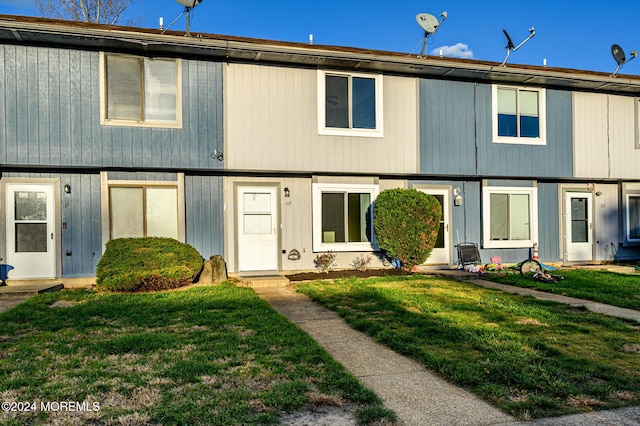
[
  {"x": 531, "y": 358},
  {"x": 204, "y": 355},
  {"x": 600, "y": 286}
]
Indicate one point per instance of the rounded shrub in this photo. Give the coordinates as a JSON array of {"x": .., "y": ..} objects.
[
  {"x": 406, "y": 223},
  {"x": 147, "y": 264}
]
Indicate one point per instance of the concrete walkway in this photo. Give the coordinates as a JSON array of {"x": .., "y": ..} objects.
[
  {"x": 416, "y": 395},
  {"x": 599, "y": 308}
]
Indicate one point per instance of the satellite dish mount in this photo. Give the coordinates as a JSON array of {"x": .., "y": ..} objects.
[
  {"x": 619, "y": 56},
  {"x": 188, "y": 6},
  {"x": 430, "y": 25},
  {"x": 510, "y": 47}
]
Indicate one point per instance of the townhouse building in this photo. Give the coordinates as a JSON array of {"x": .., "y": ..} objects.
[{"x": 270, "y": 153}]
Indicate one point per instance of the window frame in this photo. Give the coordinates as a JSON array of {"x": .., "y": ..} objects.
[
  {"x": 627, "y": 230},
  {"x": 378, "y": 132},
  {"x": 317, "y": 190},
  {"x": 532, "y": 192},
  {"x": 637, "y": 121},
  {"x": 106, "y": 121},
  {"x": 105, "y": 191},
  {"x": 542, "y": 116}
]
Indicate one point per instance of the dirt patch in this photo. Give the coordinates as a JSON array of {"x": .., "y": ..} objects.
[
  {"x": 63, "y": 304},
  {"x": 349, "y": 273},
  {"x": 321, "y": 416}
]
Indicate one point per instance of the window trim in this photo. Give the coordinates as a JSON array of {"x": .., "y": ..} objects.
[
  {"x": 486, "y": 216},
  {"x": 317, "y": 190},
  {"x": 378, "y": 132},
  {"x": 637, "y": 121},
  {"x": 542, "y": 113},
  {"x": 105, "y": 203},
  {"x": 627, "y": 231},
  {"x": 105, "y": 121}
]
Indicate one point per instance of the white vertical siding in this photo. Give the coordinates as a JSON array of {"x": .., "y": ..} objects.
[
  {"x": 604, "y": 136},
  {"x": 590, "y": 135},
  {"x": 272, "y": 124},
  {"x": 622, "y": 137}
]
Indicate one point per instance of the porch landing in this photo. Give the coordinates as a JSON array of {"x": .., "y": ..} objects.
[
  {"x": 264, "y": 281},
  {"x": 17, "y": 291}
]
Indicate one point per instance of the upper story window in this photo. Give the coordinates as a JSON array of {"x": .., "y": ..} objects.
[
  {"x": 139, "y": 91},
  {"x": 637, "y": 115},
  {"x": 349, "y": 104},
  {"x": 519, "y": 115}
]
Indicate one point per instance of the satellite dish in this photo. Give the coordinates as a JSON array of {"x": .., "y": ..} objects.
[
  {"x": 427, "y": 22},
  {"x": 620, "y": 57},
  {"x": 188, "y": 5},
  {"x": 510, "y": 46},
  {"x": 430, "y": 25}
]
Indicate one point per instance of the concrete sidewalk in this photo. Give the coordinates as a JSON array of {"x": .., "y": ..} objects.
[
  {"x": 599, "y": 308},
  {"x": 416, "y": 395}
]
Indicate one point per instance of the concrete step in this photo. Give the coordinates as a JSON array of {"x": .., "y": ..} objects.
[
  {"x": 264, "y": 281},
  {"x": 28, "y": 290}
]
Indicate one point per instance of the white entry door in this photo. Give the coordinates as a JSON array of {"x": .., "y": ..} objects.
[
  {"x": 257, "y": 228},
  {"x": 31, "y": 237},
  {"x": 440, "y": 253},
  {"x": 579, "y": 226}
]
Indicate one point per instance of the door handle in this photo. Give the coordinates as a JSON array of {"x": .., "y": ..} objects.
[{"x": 52, "y": 235}]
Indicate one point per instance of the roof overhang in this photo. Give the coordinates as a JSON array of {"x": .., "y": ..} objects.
[{"x": 48, "y": 32}]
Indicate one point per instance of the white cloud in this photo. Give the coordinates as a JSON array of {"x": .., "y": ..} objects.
[{"x": 458, "y": 50}]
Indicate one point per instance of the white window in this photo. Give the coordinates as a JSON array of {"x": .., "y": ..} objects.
[
  {"x": 349, "y": 104},
  {"x": 140, "y": 91},
  {"x": 343, "y": 217},
  {"x": 143, "y": 211},
  {"x": 633, "y": 218},
  {"x": 519, "y": 115},
  {"x": 509, "y": 217}
]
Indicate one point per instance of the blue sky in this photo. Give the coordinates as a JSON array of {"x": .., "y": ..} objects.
[{"x": 569, "y": 33}]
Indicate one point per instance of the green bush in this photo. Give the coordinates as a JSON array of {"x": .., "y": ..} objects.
[
  {"x": 406, "y": 223},
  {"x": 147, "y": 264}
]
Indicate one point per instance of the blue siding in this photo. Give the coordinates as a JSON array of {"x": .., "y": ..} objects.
[
  {"x": 50, "y": 115},
  {"x": 204, "y": 214},
  {"x": 447, "y": 127},
  {"x": 456, "y": 135},
  {"x": 554, "y": 159},
  {"x": 81, "y": 240}
]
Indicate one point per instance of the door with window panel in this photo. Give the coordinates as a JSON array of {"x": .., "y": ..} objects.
[
  {"x": 30, "y": 233},
  {"x": 257, "y": 228},
  {"x": 579, "y": 227},
  {"x": 441, "y": 249}
]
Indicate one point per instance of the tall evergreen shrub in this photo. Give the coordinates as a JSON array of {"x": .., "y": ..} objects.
[{"x": 406, "y": 223}]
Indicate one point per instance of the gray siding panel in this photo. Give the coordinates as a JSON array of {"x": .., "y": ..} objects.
[
  {"x": 50, "y": 115},
  {"x": 204, "y": 214},
  {"x": 447, "y": 127},
  {"x": 551, "y": 160},
  {"x": 456, "y": 133},
  {"x": 81, "y": 243}
]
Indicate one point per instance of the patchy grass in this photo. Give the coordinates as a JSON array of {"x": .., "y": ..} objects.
[
  {"x": 204, "y": 355},
  {"x": 612, "y": 288},
  {"x": 531, "y": 358}
]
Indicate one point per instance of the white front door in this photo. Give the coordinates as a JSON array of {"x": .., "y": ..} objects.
[
  {"x": 579, "y": 226},
  {"x": 257, "y": 228},
  {"x": 31, "y": 237},
  {"x": 440, "y": 252}
]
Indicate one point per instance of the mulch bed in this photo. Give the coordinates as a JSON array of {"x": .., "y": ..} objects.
[{"x": 349, "y": 273}]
